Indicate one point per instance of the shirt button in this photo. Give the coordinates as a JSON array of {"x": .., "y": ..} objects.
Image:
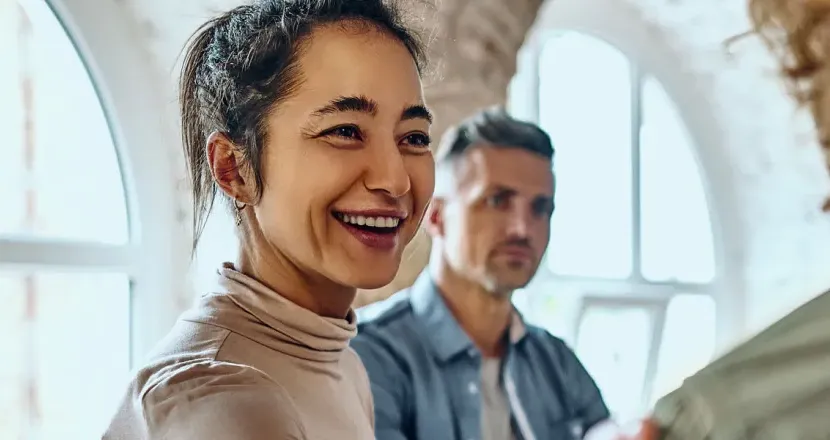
[{"x": 472, "y": 388}]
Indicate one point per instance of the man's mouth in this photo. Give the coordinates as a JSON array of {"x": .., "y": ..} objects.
[{"x": 515, "y": 252}]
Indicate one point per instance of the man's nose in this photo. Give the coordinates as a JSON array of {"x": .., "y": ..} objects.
[{"x": 518, "y": 222}]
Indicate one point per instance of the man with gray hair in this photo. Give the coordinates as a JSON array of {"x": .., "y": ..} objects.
[{"x": 450, "y": 357}]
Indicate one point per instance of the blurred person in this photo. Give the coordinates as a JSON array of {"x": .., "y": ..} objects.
[
  {"x": 450, "y": 357},
  {"x": 775, "y": 386},
  {"x": 308, "y": 118}
]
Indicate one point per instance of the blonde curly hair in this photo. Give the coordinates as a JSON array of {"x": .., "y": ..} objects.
[{"x": 798, "y": 33}]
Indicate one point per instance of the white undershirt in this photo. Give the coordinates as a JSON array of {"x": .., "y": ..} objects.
[{"x": 495, "y": 408}]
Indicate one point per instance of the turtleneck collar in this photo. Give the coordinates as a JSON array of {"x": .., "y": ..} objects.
[{"x": 255, "y": 311}]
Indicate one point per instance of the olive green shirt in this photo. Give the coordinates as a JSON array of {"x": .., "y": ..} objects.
[{"x": 776, "y": 386}]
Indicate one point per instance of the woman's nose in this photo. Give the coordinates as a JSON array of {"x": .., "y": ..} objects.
[{"x": 386, "y": 171}]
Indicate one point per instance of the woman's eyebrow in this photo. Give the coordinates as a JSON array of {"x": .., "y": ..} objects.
[
  {"x": 341, "y": 104},
  {"x": 362, "y": 104},
  {"x": 416, "y": 112}
]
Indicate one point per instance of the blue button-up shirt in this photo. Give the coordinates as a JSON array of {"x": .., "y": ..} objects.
[{"x": 425, "y": 374}]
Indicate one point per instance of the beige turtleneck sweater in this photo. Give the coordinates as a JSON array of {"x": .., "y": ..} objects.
[{"x": 247, "y": 364}]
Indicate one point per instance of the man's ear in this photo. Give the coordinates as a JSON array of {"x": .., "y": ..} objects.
[
  {"x": 434, "y": 219},
  {"x": 226, "y": 166}
]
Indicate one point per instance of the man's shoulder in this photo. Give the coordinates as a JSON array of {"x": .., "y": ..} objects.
[
  {"x": 394, "y": 309},
  {"x": 546, "y": 341},
  {"x": 387, "y": 333},
  {"x": 542, "y": 335}
]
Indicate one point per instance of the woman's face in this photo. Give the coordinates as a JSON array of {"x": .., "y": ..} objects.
[{"x": 347, "y": 168}]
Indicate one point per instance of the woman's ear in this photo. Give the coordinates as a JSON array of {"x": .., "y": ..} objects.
[{"x": 227, "y": 168}]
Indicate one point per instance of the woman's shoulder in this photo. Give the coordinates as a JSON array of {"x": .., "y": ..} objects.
[
  {"x": 209, "y": 399},
  {"x": 204, "y": 376},
  {"x": 206, "y": 381}
]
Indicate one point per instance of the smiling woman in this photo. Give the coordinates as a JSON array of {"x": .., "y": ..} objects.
[
  {"x": 371, "y": 154},
  {"x": 328, "y": 176}
]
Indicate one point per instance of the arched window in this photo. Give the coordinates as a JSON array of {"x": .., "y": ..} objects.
[
  {"x": 67, "y": 247},
  {"x": 628, "y": 275}
]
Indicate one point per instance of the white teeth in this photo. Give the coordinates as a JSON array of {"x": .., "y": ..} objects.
[{"x": 377, "y": 222}]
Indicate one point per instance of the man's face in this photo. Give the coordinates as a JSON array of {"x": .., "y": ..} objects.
[{"x": 494, "y": 219}]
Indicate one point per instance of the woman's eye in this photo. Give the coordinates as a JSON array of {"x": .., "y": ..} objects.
[
  {"x": 418, "y": 140},
  {"x": 345, "y": 131}
]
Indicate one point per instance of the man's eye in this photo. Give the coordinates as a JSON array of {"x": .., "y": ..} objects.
[
  {"x": 497, "y": 200},
  {"x": 543, "y": 209}
]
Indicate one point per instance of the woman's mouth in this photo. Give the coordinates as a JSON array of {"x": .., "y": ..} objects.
[
  {"x": 374, "y": 231},
  {"x": 380, "y": 224}
]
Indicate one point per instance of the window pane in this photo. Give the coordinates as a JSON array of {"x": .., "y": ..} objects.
[
  {"x": 585, "y": 105},
  {"x": 60, "y": 176},
  {"x": 676, "y": 230},
  {"x": 613, "y": 343},
  {"x": 552, "y": 306},
  {"x": 217, "y": 245},
  {"x": 688, "y": 341},
  {"x": 66, "y": 358},
  {"x": 523, "y": 90}
]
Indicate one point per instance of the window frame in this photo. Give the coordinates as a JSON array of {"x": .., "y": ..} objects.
[
  {"x": 637, "y": 78},
  {"x": 635, "y": 290},
  {"x": 32, "y": 254},
  {"x": 656, "y": 307},
  {"x": 130, "y": 91}
]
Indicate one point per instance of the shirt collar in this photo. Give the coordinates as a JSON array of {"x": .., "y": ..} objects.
[
  {"x": 445, "y": 336},
  {"x": 259, "y": 313}
]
